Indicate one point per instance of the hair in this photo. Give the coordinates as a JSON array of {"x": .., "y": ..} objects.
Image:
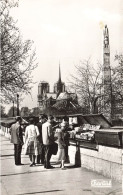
[
  {"x": 18, "y": 118},
  {"x": 65, "y": 118},
  {"x": 41, "y": 116},
  {"x": 50, "y": 117},
  {"x": 31, "y": 120}
]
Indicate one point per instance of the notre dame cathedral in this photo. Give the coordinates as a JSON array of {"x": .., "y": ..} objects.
[{"x": 59, "y": 100}]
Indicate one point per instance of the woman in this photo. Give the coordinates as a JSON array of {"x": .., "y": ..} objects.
[
  {"x": 63, "y": 142},
  {"x": 33, "y": 147}
]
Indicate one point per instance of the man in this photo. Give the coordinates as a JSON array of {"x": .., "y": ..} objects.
[
  {"x": 48, "y": 140},
  {"x": 42, "y": 119},
  {"x": 17, "y": 140}
]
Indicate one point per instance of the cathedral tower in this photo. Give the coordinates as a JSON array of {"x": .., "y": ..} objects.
[
  {"x": 43, "y": 89},
  {"x": 107, "y": 89}
]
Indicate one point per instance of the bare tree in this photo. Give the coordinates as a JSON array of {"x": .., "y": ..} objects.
[
  {"x": 17, "y": 58},
  {"x": 87, "y": 83},
  {"x": 117, "y": 85},
  {"x": 117, "y": 76}
]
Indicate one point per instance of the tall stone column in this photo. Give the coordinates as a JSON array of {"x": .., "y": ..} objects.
[{"x": 107, "y": 87}]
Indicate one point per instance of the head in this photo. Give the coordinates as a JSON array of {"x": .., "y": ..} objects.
[
  {"x": 31, "y": 121},
  {"x": 71, "y": 126},
  {"x": 18, "y": 119},
  {"x": 63, "y": 125},
  {"x": 42, "y": 118},
  {"x": 50, "y": 118},
  {"x": 65, "y": 118}
]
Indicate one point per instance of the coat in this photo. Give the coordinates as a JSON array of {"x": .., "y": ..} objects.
[
  {"x": 47, "y": 134},
  {"x": 63, "y": 139},
  {"x": 16, "y": 134},
  {"x": 39, "y": 125}
]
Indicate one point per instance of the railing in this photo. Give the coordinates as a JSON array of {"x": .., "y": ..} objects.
[{"x": 5, "y": 131}]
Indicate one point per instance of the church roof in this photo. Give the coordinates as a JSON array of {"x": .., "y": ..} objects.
[{"x": 66, "y": 95}]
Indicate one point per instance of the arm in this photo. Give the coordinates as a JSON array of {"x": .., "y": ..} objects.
[
  {"x": 60, "y": 139},
  {"x": 37, "y": 131},
  {"x": 26, "y": 134},
  {"x": 19, "y": 134},
  {"x": 50, "y": 133},
  {"x": 10, "y": 130}
]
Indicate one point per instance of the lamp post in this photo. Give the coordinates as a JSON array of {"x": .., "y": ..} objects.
[
  {"x": 17, "y": 105},
  {"x": 13, "y": 110}
]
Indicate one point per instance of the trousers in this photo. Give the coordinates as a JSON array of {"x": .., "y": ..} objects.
[
  {"x": 17, "y": 153},
  {"x": 41, "y": 157},
  {"x": 48, "y": 154}
]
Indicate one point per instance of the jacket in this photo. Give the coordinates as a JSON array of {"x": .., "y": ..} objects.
[
  {"x": 63, "y": 139},
  {"x": 16, "y": 134},
  {"x": 39, "y": 125},
  {"x": 47, "y": 134}
]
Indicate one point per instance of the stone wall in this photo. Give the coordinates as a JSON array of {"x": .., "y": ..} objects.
[{"x": 107, "y": 161}]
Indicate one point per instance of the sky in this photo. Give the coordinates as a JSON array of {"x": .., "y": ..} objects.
[{"x": 67, "y": 31}]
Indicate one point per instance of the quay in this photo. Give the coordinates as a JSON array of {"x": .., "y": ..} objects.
[{"x": 25, "y": 180}]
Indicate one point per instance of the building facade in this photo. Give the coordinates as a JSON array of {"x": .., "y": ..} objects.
[{"x": 59, "y": 100}]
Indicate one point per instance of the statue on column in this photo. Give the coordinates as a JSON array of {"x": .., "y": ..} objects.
[{"x": 106, "y": 37}]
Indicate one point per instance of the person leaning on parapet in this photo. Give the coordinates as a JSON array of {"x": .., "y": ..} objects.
[
  {"x": 48, "y": 140},
  {"x": 63, "y": 142},
  {"x": 40, "y": 157},
  {"x": 17, "y": 140}
]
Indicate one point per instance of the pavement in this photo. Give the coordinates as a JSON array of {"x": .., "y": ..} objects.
[{"x": 26, "y": 180}]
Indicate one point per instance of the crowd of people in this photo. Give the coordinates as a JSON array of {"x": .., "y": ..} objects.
[{"x": 40, "y": 140}]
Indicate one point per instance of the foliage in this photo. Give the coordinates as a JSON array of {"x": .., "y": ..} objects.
[
  {"x": 17, "y": 58},
  {"x": 2, "y": 110},
  {"x": 36, "y": 111},
  {"x": 10, "y": 111},
  {"x": 25, "y": 112}
]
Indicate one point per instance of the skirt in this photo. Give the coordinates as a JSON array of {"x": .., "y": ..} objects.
[
  {"x": 33, "y": 148},
  {"x": 62, "y": 154}
]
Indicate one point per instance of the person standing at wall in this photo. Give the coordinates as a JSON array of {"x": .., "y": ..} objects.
[
  {"x": 17, "y": 140},
  {"x": 48, "y": 140},
  {"x": 63, "y": 142}
]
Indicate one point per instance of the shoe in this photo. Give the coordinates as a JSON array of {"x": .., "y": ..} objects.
[
  {"x": 19, "y": 164},
  {"x": 32, "y": 164},
  {"x": 63, "y": 168},
  {"x": 60, "y": 165},
  {"x": 50, "y": 167}
]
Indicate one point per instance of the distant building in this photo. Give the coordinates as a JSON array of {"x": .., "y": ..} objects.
[{"x": 59, "y": 100}]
